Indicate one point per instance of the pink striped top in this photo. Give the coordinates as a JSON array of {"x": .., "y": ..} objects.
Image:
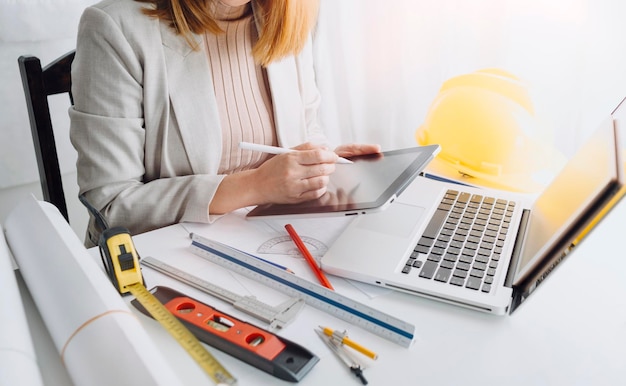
[{"x": 241, "y": 88}]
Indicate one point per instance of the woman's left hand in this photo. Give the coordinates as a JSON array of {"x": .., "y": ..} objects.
[{"x": 354, "y": 149}]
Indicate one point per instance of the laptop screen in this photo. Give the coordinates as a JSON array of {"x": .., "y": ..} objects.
[{"x": 569, "y": 204}]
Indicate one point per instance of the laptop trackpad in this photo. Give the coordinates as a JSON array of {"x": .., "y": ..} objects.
[{"x": 398, "y": 220}]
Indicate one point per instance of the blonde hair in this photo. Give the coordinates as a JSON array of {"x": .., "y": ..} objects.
[{"x": 284, "y": 24}]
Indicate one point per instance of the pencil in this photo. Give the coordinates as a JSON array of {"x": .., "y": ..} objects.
[
  {"x": 308, "y": 257},
  {"x": 278, "y": 150},
  {"x": 274, "y": 264}
]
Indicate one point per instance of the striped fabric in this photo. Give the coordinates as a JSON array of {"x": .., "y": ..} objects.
[{"x": 241, "y": 89}]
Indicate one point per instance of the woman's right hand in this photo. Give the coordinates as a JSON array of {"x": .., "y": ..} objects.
[
  {"x": 283, "y": 179},
  {"x": 295, "y": 177}
]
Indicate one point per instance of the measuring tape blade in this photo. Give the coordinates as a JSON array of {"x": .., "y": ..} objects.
[
  {"x": 277, "y": 317},
  {"x": 182, "y": 335},
  {"x": 322, "y": 298},
  {"x": 121, "y": 262}
]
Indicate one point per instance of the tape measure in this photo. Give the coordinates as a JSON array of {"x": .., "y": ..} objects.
[
  {"x": 121, "y": 263},
  {"x": 322, "y": 298}
]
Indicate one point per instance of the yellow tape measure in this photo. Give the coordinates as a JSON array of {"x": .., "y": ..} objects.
[
  {"x": 184, "y": 337},
  {"x": 121, "y": 262}
]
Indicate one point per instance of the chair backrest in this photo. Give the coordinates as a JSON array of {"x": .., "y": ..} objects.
[{"x": 38, "y": 84}]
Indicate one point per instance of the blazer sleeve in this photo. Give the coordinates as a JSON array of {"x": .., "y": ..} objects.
[{"x": 108, "y": 129}]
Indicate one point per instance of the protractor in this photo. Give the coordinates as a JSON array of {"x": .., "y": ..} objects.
[{"x": 284, "y": 245}]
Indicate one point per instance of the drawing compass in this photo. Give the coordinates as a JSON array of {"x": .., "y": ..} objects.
[{"x": 344, "y": 355}]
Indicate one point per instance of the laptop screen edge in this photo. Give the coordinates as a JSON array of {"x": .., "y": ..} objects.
[{"x": 526, "y": 284}]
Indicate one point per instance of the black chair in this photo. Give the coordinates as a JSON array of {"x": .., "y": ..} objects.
[{"x": 38, "y": 84}]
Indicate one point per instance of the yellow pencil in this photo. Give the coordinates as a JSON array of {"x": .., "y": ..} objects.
[{"x": 343, "y": 338}]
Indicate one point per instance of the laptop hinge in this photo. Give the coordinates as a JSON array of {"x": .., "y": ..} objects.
[{"x": 517, "y": 248}]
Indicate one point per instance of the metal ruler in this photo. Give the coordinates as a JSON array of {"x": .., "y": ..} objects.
[
  {"x": 322, "y": 298},
  {"x": 277, "y": 317}
]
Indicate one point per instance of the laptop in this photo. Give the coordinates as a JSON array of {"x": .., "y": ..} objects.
[
  {"x": 367, "y": 185},
  {"x": 484, "y": 249}
]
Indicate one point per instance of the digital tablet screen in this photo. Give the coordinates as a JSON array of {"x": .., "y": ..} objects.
[{"x": 368, "y": 184}]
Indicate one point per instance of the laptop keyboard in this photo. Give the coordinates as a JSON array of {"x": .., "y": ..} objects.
[{"x": 463, "y": 241}]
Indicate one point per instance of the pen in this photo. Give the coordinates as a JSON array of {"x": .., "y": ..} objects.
[
  {"x": 278, "y": 150},
  {"x": 343, "y": 338},
  {"x": 308, "y": 257}
]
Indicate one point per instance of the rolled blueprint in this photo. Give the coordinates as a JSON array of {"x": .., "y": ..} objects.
[
  {"x": 18, "y": 362},
  {"x": 99, "y": 339}
]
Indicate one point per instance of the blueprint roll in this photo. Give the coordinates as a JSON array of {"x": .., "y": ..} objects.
[
  {"x": 101, "y": 342},
  {"x": 18, "y": 362}
]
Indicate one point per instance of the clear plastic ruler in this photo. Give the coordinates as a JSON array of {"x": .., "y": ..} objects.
[{"x": 375, "y": 321}]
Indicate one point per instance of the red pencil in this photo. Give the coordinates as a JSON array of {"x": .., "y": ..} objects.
[{"x": 308, "y": 257}]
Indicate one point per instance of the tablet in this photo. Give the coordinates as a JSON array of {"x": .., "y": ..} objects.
[{"x": 367, "y": 185}]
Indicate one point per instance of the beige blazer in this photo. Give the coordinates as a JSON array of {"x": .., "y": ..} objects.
[{"x": 145, "y": 120}]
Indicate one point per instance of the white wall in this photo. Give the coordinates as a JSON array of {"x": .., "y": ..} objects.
[
  {"x": 46, "y": 29},
  {"x": 387, "y": 60},
  {"x": 380, "y": 64}
]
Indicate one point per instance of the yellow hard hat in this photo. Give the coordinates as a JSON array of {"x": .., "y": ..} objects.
[{"x": 485, "y": 124}]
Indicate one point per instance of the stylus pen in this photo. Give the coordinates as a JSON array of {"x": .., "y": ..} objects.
[
  {"x": 308, "y": 257},
  {"x": 278, "y": 150}
]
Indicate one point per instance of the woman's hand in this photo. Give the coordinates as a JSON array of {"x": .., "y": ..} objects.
[
  {"x": 297, "y": 176},
  {"x": 284, "y": 179},
  {"x": 355, "y": 149}
]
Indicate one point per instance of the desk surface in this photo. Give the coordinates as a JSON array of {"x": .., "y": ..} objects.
[{"x": 572, "y": 331}]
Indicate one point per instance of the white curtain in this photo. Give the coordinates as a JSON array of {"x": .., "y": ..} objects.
[{"x": 380, "y": 63}]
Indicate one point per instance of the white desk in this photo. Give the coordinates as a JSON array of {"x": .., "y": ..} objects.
[{"x": 572, "y": 331}]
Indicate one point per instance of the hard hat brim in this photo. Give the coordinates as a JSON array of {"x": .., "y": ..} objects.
[{"x": 521, "y": 183}]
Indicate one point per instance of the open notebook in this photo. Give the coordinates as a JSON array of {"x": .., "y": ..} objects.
[{"x": 480, "y": 248}]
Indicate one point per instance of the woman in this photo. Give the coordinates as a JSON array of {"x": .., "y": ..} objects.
[{"x": 165, "y": 90}]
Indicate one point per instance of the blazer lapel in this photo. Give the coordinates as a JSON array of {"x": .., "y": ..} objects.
[
  {"x": 283, "y": 80},
  {"x": 286, "y": 99},
  {"x": 193, "y": 101},
  {"x": 195, "y": 107}
]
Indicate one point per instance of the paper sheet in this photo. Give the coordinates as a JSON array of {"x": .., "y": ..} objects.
[
  {"x": 100, "y": 341},
  {"x": 18, "y": 362},
  {"x": 268, "y": 239}
]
